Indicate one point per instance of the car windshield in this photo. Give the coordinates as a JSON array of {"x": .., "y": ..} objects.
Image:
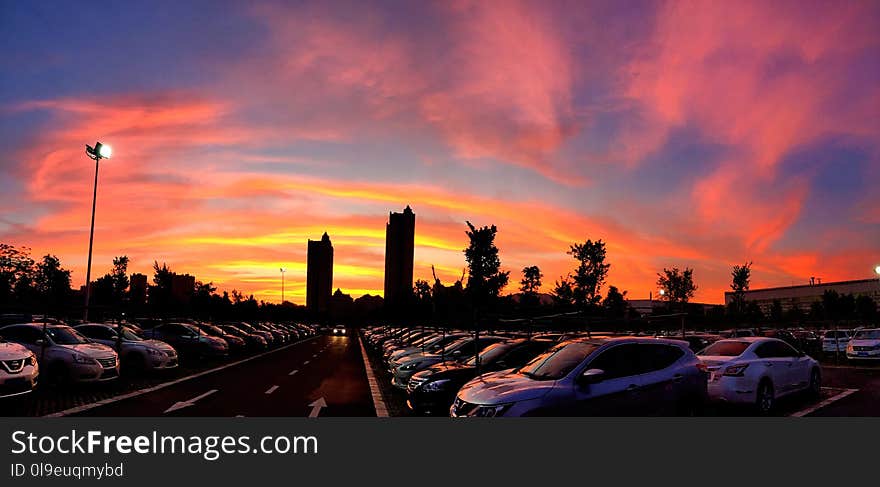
[
  {"x": 558, "y": 361},
  {"x": 449, "y": 348},
  {"x": 867, "y": 335},
  {"x": 129, "y": 334},
  {"x": 489, "y": 354},
  {"x": 65, "y": 335},
  {"x": 725, "y": 348},
  {"x": 213, "y": 330}
]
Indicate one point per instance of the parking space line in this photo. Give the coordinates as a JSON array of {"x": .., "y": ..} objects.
[
  {"x": 826, "y": 402},
  {"x": 271, "y": 390},
  {"x": 110, "y": 400},
  {"x": 378, "y": 402},
  {"x": 293, "y": 372}
]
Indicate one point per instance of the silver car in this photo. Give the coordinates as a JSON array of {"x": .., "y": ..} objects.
[
  {"x": 135, "y": 353},
  {"x": 593, "y": 377},
  {"x": 63, "y": 353}
]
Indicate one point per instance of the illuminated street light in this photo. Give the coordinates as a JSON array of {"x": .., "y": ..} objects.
[
  {"x": 283, "y": 270},
  {"x": 877, "y": 270},
  {"x": 98, "y": 152},
  {"x": 662, "y": 292}
]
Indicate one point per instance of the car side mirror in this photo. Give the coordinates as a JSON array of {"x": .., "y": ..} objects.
[{"x": 593, "y": 376}]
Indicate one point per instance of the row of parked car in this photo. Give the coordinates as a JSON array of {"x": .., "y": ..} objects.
[
  {"x": 98, "y": 352},
  {"x": 507, "y": 374}
]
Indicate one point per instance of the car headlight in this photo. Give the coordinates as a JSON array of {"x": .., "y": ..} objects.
[
  {"x": 83, "y": 359},
  {"x": 32, "y": 360},
  {"x": 491, "y": 411},
  {"x": 434, "y": 385}
]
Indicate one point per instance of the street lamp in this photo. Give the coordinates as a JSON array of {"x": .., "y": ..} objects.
[
  {"x": 98, "y": 152},
  {"x": 662, "y": 292},
  {"x": 877, "y": 270},
  {"x": 283, "y": 270}
]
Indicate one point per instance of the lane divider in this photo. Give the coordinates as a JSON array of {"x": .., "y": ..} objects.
[
  {"x": 306, "y": 362},
  {"x": 104, "y": 402},
  {"x": 378, "y": 402},
  {"x": 271, "y": 390},
  {"x": 293, "y": 372}
]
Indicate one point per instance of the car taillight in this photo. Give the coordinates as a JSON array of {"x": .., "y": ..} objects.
[{"x": 736, "y": 370}]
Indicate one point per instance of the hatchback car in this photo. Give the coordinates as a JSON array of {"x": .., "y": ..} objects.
[
  {"x": 19, "y": 372},
  {"x": 622, "y": 376},
  {"x": 63, "y": 353},
  {"x": 758, "y": 371},
  {"x": 864, "y": 345},
  {"x": 135, "y": 353}
]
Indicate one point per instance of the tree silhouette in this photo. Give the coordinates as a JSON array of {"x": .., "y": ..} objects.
[
  {"x": 615, "y": 303},
  {"x": 529, "y": 285},
  {"x": 583, "y": 287},
  {"x": 741, "y": 278},
  {"x": 52, "y": 282},
  {"x": 678, "y": 286},
  {"x": 485, "y": 278}
]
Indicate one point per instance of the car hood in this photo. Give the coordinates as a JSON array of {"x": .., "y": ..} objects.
[
  {"x": 865, "y": 343},
  {"x": 157, "y": 344},
  {"x": 504, "y": 387},
  {"x": 94, "y": 350},
  {"x": 13, "y": 351}
]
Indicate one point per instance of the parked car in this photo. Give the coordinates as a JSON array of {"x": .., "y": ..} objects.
[
  {"x": 758, "y": 371},
  {"x": 835, "y": 341},
  {"x": 784, "y": 335},
  {"x": 63, "y": 353},
  {"x": 235, "y": 344},
  {"x": 278, "y": 336},
  {"x": 809, "y": 341},
  {"x": 737, "y": 333},
  {"x": 247, "y": 328},
  {"x": 188, "y": 340},
  {"x": 698, "y": 341},
  {"x": 864, "y": 345},
  {"x": 432, "y": 391},
  {"x": 460, "y": 350},
  {"x": 19, "y": 371},
  {"x": 252, "y": 340},
  {"x": 429, "y": 346},
  {"x": 135, "y": 353},
  {"x": 617, "y": 376}
]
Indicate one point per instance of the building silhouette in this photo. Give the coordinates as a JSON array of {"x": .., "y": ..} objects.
[
  {"x": 399, "y": 244},
  {"x": 319, "y": 274}
]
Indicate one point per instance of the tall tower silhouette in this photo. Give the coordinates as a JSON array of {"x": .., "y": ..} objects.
[
  {"x": 319, "y": 274},
  {"x": 399, "y": 245}
]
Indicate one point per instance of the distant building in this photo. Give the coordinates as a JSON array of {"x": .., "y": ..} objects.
[
  {"x": 803, "y": 296},
  {"x": 319, "y": 277},
  {"x": 647, "y": 307},
  {"x": 182, "y": 288},
  {"x": 399, "y": 246},
  {"x": 137, "y": 289}
]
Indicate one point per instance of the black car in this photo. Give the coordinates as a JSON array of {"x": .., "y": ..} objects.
[
  {"x": 786, "y": 336},
  {"x": 432, "y": 391},
  {"x": 236, "y": 344},
  {"x": 189, "y": 340},
  {"x": 253, "y": 341},
  {"x": 697, "y": 341}
]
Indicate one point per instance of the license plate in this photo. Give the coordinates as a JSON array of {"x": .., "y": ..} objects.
[{"x": 862, "y": 354}]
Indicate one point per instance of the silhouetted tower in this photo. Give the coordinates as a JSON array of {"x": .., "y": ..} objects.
[
  {"x": 400, "y": 234},
  {"x": 319, "y": 274}
]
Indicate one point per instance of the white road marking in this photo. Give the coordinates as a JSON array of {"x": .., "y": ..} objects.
[
  {"x": 110, "y": 400},
  {"x": 293, "y": 372},
  {"x": 271, "y": 390},
  {"x": 315, "y": 355},
  {"x": 826, "y": 402},
  {"x": 189, "y": 402},
  {"x": 378, "y": 402},
  {"x": 306, "y": 362},
  {"x": 316, "y": 407},
  {"x": 239, "y": 415}
]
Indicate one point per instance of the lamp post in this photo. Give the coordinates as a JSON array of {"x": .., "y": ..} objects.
[
  {"x": 283, "y": 270},
  {"x": 98, "y": 152}
]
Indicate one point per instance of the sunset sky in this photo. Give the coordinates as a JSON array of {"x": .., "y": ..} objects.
[{"x": 699, "y": 134}]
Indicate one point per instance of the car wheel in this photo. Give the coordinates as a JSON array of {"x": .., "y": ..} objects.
[
  {"x": 815, "y": 383},
  {"x": 765, "y": 399}
]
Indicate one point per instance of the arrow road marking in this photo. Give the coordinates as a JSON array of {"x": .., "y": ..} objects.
[
  {"x": 316, "y": 407},
  {"x": 293, "y": 372},
  {"x": 306, "y": 362},
  {"x": 271, "y": 389},
  {"x": 191, "y": 402}
]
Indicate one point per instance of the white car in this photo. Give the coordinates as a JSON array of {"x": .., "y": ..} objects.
[
  {"x": 835, "y": 341},
  {"x": 757, "y": 371},
  {"x": 18, "y": 370},
  {"x": 135, "y": 353},
  {"x": 63, "y": 353},
  {"x": 864, "y": 345}
]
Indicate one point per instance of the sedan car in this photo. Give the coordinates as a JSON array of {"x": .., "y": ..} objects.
[
  {"x": 135, "y": 353},
  {"x": 63, "y": 353},
  {"x": 460, "y": 350},
  {"x": 864, "y": 345},
  {"x": 18, "y": 369},
  {"x": 758, "y": 371},
  {"x": 432, "y": 391},
  {"x": 252, "y": 340},
  {"x": 609, "y": 376},
  {"x": 834, "y": 341},
  {"x": 189, "y": 340},
  {"x": 236, "y": 344}
]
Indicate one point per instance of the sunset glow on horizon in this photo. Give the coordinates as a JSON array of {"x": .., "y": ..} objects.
[{"x": 698, "y": 135}]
